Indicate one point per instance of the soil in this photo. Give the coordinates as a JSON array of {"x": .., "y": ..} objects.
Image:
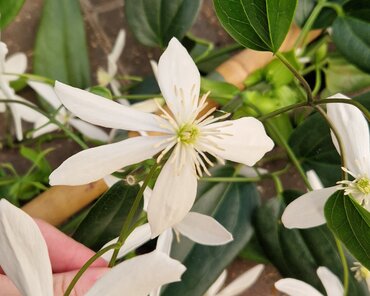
[{"x": 103, "y": 20}]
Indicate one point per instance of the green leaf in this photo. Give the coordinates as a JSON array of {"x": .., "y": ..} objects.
[
  {"x": 9, "y": 10},
  {"x": 60, "y": 51},
  {"x": 350, "y": 222},
  {"x": 232, "y": 207},
  {"x": 155, "y": 22},
  {"x": 257, "y": 24},
  {"x": 220, "y": 91},
  {"x": 352, "y": 38},
  {"x": 101, "y": 91},
  {"x": 106, "y": 218}
]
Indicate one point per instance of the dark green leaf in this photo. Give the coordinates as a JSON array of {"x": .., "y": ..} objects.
[
  {"x": 101, "y": 91},
  {"x": 105, "y": 219},
  {"x": 155, "y": 22},
  {"x": 9, "y": 10},
  {"x": 359, "y": 9},
  {"x": 60, "y": 51},
  {"x": 352, "y": 38},
  {"x": 233, "y": 207},
  {"x": 257, "y": 24},
  {"x": 350, "y": 222}
]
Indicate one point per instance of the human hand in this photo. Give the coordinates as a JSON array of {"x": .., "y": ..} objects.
[{"x": 67, "y": 257}]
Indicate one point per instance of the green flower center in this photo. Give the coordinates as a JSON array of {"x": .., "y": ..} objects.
[
  {"x": 188, "y": 134},
  {"x": 363, "y": 184}
]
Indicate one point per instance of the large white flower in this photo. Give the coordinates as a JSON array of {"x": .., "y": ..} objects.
[
  {"x": 25, "y": 260},
  {"x": 294, "y": 287},
  {"x": 308, "y": 210},
  {"x": 185, "y": 129},
  {"x": 42, "y": 125},
  {"x": 15, "y": 64}
]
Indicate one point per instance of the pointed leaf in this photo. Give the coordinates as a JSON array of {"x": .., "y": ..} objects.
[{"x": 9, "y": 10}]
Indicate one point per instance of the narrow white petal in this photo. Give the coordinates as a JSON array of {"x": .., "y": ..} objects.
[
  {"x": 164, "y": 241},
  {"x": 176, "y": 70},
  {"x": 89, "y": 130},
  {"x": 293, "y": 287},
  {"x": 24, "y": 255},
  {"x": 354, "y": 133},
  {"x": 46, "y": 91},
  {"x": 95, "y": 163},
  {"x": 247, "y": 142},
  {"x": 307, "y": 210},
  {"x": 116, "y": 52},
  {"x": 243, "y": 282},
  {"x": 173, "y": 194},
  {"x": 149, "y": 106},
  {"x": 217, "y": 285},
  {"x": 17, "y": 64},
  {"x": 139, "y": 236},
  {"x": 26, "y": 113},
  {"x": 203, "y": 229},
  {"x": 17, "y": 121},
  {"x": 138, "y": 276},
  {"x": 314, "y": 180},
  {"x": 330, "y": 281},
  {"x": 104, "y": 112},
  {"x": 43, "y": 126},
  {"x": 154, "y": 66}
]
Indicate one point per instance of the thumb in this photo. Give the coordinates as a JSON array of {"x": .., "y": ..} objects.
[{"x": 62, "y": 281}]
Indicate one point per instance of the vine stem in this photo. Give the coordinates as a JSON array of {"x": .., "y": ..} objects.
[
  {"x": 344, "y": 265},
  {"x": 86, "y": 266},
  {"x": 125, "y": 231}
]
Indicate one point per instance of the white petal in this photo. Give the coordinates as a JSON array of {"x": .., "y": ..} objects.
[
  {"x": 154, "y": 66},
  {"x": 164, "y": 241},
  {"x": 354, "y": 133},
  {"x": 17, "y": 64},
  {"x": 26, "y": 113},
  {"x": 203, "y": 229},
  {"x": 43, "y": 126},
  {"x": 147, "y": 194},
  {"x": 46, "y": 91},
  {"x": 110, "y": 180},
  {"x": 149, "y": 106},
  {"x": 138, "y": 276},
  {"x": 89, "y": 130},
  {"x": 293, "y": 287},
  {"x": 176, "y": 70},
  {"x": 173, "y": 194},
  {"x": 24, "y": 255},
  {"x": 331, "y": 283},
  {"x": 104, "y": 112},
  {"x": 17, "y": 121},
  {"x": 139, "y": 236},
  {"x": 307, "y": 210},
  {"x": 243, "y": 282},
  {"x": 116, "y": 53},
  {"x": 217, "y": 285},
  {"x": 95, "y": 163},
  {"x": 247, "y": 143},
  {"x": 314, "y": 180}
]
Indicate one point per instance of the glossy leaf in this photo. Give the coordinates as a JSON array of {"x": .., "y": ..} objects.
[
  {"x": 105, "y": 219},
  {"x": 350, "y": 222},
  {"x": 232, "y": 206},
  {"x": 257, "y": 24},
  {"x": 352, "y": 38},
  {"x": 155, "y": 22},
  {"x": 60, "y": 51},
  {"x": 9, "y": 10}
]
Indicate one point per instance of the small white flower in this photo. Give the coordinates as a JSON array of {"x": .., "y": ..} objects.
[
  {"x": 184, "y": 131},
  {"x": 294, "y": 287},
  {"x": 308, "y": 210},
  {"x": 42, "y": 125}
]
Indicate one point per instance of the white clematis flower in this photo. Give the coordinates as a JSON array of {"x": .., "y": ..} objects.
[
  {"x": 106, "y": 77},
  {"x": 237, "y": 286},
  {"x": 25, "y": 260},
  {"x": 308, "y": 210},
  {"x": 294, "y": 287},
  {"x": 189, "y": 137},
  {"x": 15, "y": 64},
  {"x": 42, "y": 125}
]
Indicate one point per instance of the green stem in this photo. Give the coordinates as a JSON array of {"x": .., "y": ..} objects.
[
  {"x": 335, "y": 6},
  {"x": 125, "y": 231},
  {"x": 51, "y": 119},
  {"x": 317, "y": 87},
  {"x": 278, "y": 185},
  {"x": 344, "y": 265},
  {"x": 220, "y": 52},
  {"x": 304, "y": 83},
  {"x": 282, "y": 110},
  {"x": 86, "y": 266}
]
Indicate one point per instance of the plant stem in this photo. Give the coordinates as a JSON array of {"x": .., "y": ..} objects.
[
  {"x": 86, "y": 266},
  {"x": 220, "y": 52},
  {"x": 344, "y": 265},
  {"x": 125, "y": 231},
  {"x": 304, "y": 83},
  {"x": 282, "y": 110}
]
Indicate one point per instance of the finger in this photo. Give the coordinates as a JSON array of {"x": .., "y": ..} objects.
[
  {"x": 65, "y": 253},
  {"x": 7, "y": 287},
  {"x": 62, "y": 281}
]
